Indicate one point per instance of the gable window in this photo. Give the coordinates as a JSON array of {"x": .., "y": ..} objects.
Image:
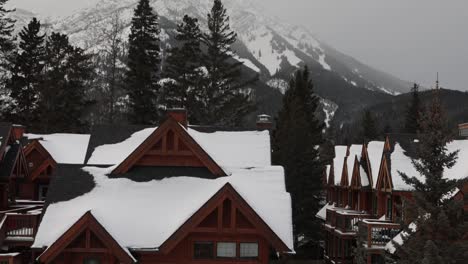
[
  {"x": 226, "y": 250},
  {"x": 249, "y": 250},
  {"x": 203, "y": 250},
  {"x": 91, "y": 261}
]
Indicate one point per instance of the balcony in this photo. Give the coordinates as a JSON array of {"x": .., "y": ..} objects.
[
  {"x": 378, "y": 233},
  {"x": 347, "y": 221},
  {"x": 331, "y": 217},
  {"x": 18, "y": 228}
]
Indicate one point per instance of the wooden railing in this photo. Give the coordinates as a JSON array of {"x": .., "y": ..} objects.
[
  {"x": 378, "y": 233},
  {"x": 348, "y": 221},
  {"x": 21, "y": 225}
]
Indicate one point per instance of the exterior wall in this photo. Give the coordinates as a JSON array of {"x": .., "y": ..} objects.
[
  {"x": 184, "y": 252},
  {"x": 78, "y": 258}
]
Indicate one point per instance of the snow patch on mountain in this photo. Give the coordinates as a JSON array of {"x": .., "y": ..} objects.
[
  {"x": 329, "y": 108},
  {"x": 278, "y": 84}
]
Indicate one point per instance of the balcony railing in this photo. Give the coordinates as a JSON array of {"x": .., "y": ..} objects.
[
  {"x": 378, "y": 233},
  {"x": 348, "y": 221},
  {"x": 331, "y": 217},
  {"x": 21, "y": 225}
]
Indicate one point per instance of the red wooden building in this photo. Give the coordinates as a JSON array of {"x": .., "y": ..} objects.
[
  {"x": 171, "y": 194},
  {"x": 365, "y": 193}
]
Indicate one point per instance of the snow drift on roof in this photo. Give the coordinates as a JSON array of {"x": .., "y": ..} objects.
[
  {"x": 322, "y": 213},
  {"x": 400, "y": 162},
  {"x": 354, "y": 150},
  {"x": 338, "y": 162},
  {"x": 161, "y": 207},
  {"x": 375, "y": 151},
  {"x": 64, "y": 148},
  {"x": 223, "y": 147}
]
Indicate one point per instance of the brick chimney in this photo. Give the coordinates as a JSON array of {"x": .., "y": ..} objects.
[
  {"x": 463, "y": 130},
  {"x": 264, "y": 122},
  {"x": 18, "y": 131},
  {"x": 179, "y": 114}
]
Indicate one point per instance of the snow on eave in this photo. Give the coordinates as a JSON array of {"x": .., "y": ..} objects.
[{"x": 322, "y": 213}]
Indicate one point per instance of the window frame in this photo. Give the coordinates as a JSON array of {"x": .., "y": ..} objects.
[
  {"x": 213, "y": 253},
  {"x": 227, "y": 257},
  {"x": 249, "y": 257}
]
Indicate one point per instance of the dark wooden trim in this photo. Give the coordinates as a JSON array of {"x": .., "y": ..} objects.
[
  {"x": 226, "y": 192},
  {"x": 85, "y": 222},
  {"x": 159, "y": 133}
]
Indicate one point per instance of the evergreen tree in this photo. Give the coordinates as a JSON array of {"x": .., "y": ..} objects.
[
  {"x": 183, "y": 66},
  {"x": 7, "y": 47},
  {"x": 413, "y": 112},
  {"x": 369, "y": 127},
  {"x": 143, "y": 62},
  {"x": 27, "y": 76},
  {"x": 225, "y": 99},
  {"x": 440, "y": 227},
  {"x": 295, "y": 143},
  {"x": 67, "y": 72}
]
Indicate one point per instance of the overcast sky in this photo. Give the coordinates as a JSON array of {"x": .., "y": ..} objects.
[{"x": 412, "y": 39}]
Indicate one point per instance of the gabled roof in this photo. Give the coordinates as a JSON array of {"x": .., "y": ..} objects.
[
  {"x": 48, "y": 162},
  {"x": 87, "y": 221},
  {"x": 13, "y": 158},
  {"x": 161, "y": 206},
  {"x": 64, "y": 148},
  {"x": 222, "y": 146},
  {"x": 158, "y": 136},
  {"x": 341, "y": 152}
]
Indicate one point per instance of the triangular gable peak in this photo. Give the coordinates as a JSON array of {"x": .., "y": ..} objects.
[
  {"x": 226, "y": 212},
  {"x": 384, "y": 181},
  {"x": 344, "y": 173},
  {"x": 169, "y": 145},
  {"x": 356, "y": 178},
  {"x": 17, "y": 167},
  {"x": 39, "y": 160},
  {"x": 86, "y": 235}
]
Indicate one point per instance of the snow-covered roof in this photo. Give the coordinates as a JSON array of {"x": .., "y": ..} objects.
[
  {"x": 364, "y": 177},
  {"x": 354, "y": 150},
  {"x": 64, "y": 148},
  {"x": 160, "y": 207},
  {"x": 338, "y": 162},
  {"x": 322, "y": 213},
  {"x": 400, "y": 162},
  {"x": 223, "y": 147},
  {"x": 375, "y": 151}
]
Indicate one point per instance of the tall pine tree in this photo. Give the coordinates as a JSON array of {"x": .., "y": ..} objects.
[
  {"x": 296, "y": 139},
  {"x": 63, "y": 94},
  {"x": 413, "y": 112},
  {"x": 143, "y": 65},
  {"x": 440, "y": 226},
  {"x": 225, "y": 99},
  {"x": 183, "y": 66},
  {"x": 27, "y": 75},
  {"x": 7, "y": 47},
  {"x": 369, "y": 128}
]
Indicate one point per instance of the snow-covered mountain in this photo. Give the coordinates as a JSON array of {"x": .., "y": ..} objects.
[{"x": 266, "y": 45}]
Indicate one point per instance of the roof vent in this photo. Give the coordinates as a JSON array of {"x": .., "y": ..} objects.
[
  {"x": 463, "y": 130},
  {"x": 179, "y": 115},
  {"x": 264, "y": 122}
]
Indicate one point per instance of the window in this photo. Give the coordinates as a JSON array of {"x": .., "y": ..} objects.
[
  {"x": 226, "y": 250},
  {"x": 91, "y": 261},
  {"x": 249, "y": 250},
  {"x": 203, "y": 250},
  {"x": 389, "y": 208}
]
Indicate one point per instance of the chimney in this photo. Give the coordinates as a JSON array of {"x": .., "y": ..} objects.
[
  {"x": 463, "y": 130},
  {"x": 264, "y": 122},
  {"x": 179, "y": 115},
  {"x": 18, "y": 131}
]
